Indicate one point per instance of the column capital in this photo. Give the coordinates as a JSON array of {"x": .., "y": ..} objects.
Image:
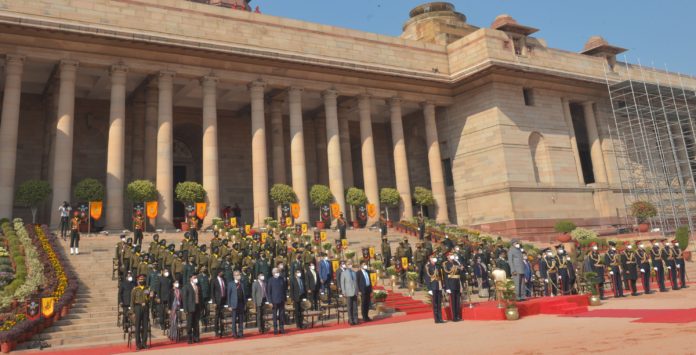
[
  {"x": 588, "y": 103},
  {"x": 257, "y": 85},
  {"x": 295, "y": 89},
  {"x": 395, "y": 101},
  {"x": 166, "y": 74},
  {"x": 69, "y": 64},
  {"x": 11, "y": 60},
  {"x": 209, "y": 80},
  {"x": 276, "y": 103},
  {"x": 364, "y": 96},
  {"x": 330, "y": 94},
  {"x": 118, "y": 69},
  {"x": 427, "y": 104}
]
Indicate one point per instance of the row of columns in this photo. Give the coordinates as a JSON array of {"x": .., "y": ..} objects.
[{"x": 158, "y": 133}]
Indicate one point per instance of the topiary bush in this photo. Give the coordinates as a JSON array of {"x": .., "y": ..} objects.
[
  {"x": 189, "y": 192},
  {"x": 89, "y": 190},
  {"x": 141, "y": 191},
  {"x": 32, "y": 193},
  {"x": 682, "y": 236},
  {"x": 643, "y": 210},
  {"x": 389, "y": 197},
  {"x": 564, "y": 226},
  {"x": 423, "y": 197}
]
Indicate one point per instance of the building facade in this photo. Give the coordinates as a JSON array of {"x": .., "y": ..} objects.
[{"x": 509, "y": 134}]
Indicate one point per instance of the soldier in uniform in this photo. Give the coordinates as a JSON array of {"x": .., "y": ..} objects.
[
  {"x": 140, "y": 299},
  {"x": 154, "y": 249},
  {"x": 565, "y": 270},
  {"x": 595, "y": 263},
  {"x": 420, "y": 258},
  {"x": 75, "y": 233},
  {"x": 262, "y": 267},
  {"x": 342, "y": 225},
  {"x": 120, "y": 247},
  {"x": 658, "y": 264},
  {"x": 214, "y": 262},
  {"x": 138, "y": 226},
  {"x": 382, "y": 224},
  {"x": 178, "y": 267},
  {"x": 193, "y": 227},
  {"x": 164, "y": 296},
  {"x": 452, "y": 270},
  {"x": 386, "y": 252},
  {"x": 669, "y": 256},
  {"x": 202, "y": 258},
  {"x": 188, "y": 266},
  {"x": 432, "y": 280},
  {"x": 613, "y": 259},
  {"x": 125, "y": 287},
  {"x": 421, "y": 226},
  {"x": 643, "y": 260},
  {"x": 681, "y": 264},
  {"x": 630, "y": 268},
  {"x": 408, "y": 251},
  {"x": 216, "y": 241},
  {"x": 204, "y": 284},
  {"x": 548, "y": 268}
]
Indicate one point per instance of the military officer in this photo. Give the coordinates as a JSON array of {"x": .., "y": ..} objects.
[
  {"x": 193, "y": 227},
  {"x": 421, "y": 259},
  {"x": 432, "y": 280},
  {"x": 613, "y": 259},
  {"x": 138, "y": 226},
  {"x": 630, "y": 268},
  {"x": 75, "y": 234},
  {"x": 548, "y": 268},
  {"x": 643, "y": 260},
  {"x": 564, "y": 270},
  {"x": 452, "y": 270},
  {"x": 681, "y": 265},
  {"x": 342, "y": 226},
  {"x": 669, "y": 257},
  {"x": 140, "y": 299},
  {"x": 596, "y": 264},
  {"x": 386, "y": 252},
  {"x": 656, "y": 255}
]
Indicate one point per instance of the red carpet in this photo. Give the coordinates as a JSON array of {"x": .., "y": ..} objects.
[
  {"x": 544, "y": 305},
  {"x": 166, "y": 344},
  {"x": 644, "y": 315},
  {"x": 406, "y": 304}
]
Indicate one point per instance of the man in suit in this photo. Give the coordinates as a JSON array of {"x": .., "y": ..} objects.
[
  {"x": 313, "y": 286},
  {"x": 276, "y": 294},
  {"x": 365, "y": 288},
  {"x": 125, "y": 288},
  {"x": 236, "y": 299},
  {"x": 432, "y": 280},
  {"x": 218, "y": 291},
  {"x": 191, "y": 299},
  {"x": 258, "y": 296},
  {"x": 349, "y": 290},
  {"x": 517, "y": 268},
  {"x": 262, "y": 266},
  {"x": 298, "y": 293},
  {"x": 164, "y": 296}
]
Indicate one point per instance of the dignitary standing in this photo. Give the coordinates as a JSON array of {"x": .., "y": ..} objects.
[
  {"x": 277, "y": 292},
  {"x": 191, "y": 298},
  {"x": 218, "y": 291},
  {"x": 432, "y": 280},
  {"x": 236, "y": 299},
  {"x": 365, "y": 288},
  {"x": 517, "y": 268},
  {"x": 258, "y": 296},
  {"x": 349, "y": 289}
]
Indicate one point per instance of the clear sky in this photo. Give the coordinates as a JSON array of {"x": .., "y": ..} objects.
[{"x": 657, "y": 32}]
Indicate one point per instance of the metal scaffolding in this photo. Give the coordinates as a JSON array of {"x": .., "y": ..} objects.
[{"x": 654, "y": 137}]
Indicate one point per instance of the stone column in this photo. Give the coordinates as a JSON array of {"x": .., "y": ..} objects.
[
  {"x": 63, "y": 153},
  {"x": 333, "y": 148},
  {"x": 115, "y": 167},
  {"x": 600, "y": 171},
  {"x": 211, "y": 182},
  {"x": 259, "y": 163},
  {"x": 9, "y": 128},
  {"x": 297, "y": 152},
  {"x": 573, "y": 141},
  {"x": 346, "y": 153},
  {"x": 165, "y": 153},
  {"x": 138, "y": 139},
  {"x": 403, "y": 184},
  {"x": 437, "y": 180},
  {"x": 151, "y": 118},
  {"x": 278, "y": 142},
  {"x": 368, "y": 154},
  {"x": 320, "y": 149}
]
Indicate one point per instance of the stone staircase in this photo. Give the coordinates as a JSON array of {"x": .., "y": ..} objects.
[{"x": 92, "y": 319}]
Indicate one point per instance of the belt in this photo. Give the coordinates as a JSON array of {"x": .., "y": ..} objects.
[{"x": 453, "y": 277}]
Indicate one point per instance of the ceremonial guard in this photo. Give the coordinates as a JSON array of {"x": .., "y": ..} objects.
[
  {"x": 386, "y": 252},
  {"x": 565, "y": 270},
  {"x": 452, "y": 270},
  {"x": 382, "y": 224},
  {"x": 164, "y": 296},
  {"x": 669, "y": 257},
  {"x": 613, "y": 259},
  {"x": 643, "y": 259},
  {"x": 595, "y": 263},
  {"x": 120, "y": 248},
  {"x": 342, "y": 225},
  {"x": 656, "y": 255},
  {"x": 421, "y": 226},
  {"x": 681, "y": 265},
  {"x": 420, "y": 258},
  {"x": 432, "y": 280},
  {"x": 138, "y": 226},
  {"x": 140, "y": 299},
  {"x": 75, "y": 234},
  {"x": 193, "y": 227},
  {"x": 548, "y": 268},
  {"x": 630, "y": 268},
  {"x": 155, "y": 249}
]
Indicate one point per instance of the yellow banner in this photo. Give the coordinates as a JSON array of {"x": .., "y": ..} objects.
[
  {"x": 335, "y": 210},
  {"x": 404, "y": 262},
  {"x": 372, "y": 252},
  {"x": 233, "y": 222},
  {"x": 295, "y": 209},
  {"x": 47, "y": 306},
  {"x": 323, "y": 236},
  {"x": 201, "y": 209},
  {"x": 344, "y": 243},
  {"x": 288, "y": 221},
  {"x": 334, "y": 265},
  {"x": 264, "y": 235},
  {"x": 373, "y": 278},
  {"x": 247, "y": 229},
  {"x": 151, "y": 209},
  {"x": 371, "y": 210},
  {"x": 95, "y": 209},
  {"x": 305, "y": 228}
]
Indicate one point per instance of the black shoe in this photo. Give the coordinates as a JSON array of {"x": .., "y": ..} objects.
[
  {"x": 190, "y": 341},
  {"x": 275, "y": 332},
  {"x": 241, "y": 336},
  {"x": 368, "y": 319},
  {"x": 664, "y": 290},
  {"x": 685, "y": 286}
]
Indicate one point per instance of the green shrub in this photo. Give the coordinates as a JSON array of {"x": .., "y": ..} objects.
[
  {"x": 32, "y": 193},
  {"x": 89, "y": 190},
  {"x": 189, "y": 192},
  {"x": 141, "y": 191},
  {"x": 423, "y": 197},
  {"x": 564, "y": 226},
  {"x": 356, "y": 197},
  {"x": 682, "y": 237},
  {"x": 643, "y": 210},
  {"x": 320, "y": 195},
  {"x": 282, "y": 194}
]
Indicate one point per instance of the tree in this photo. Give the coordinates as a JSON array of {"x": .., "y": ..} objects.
[
  {"x": 423, "y": 197},
  {"x": 389, "y": 197},
  {"x": 32, "y": 193},
  {"x": 282, "y": 194},
  {"x": 355, "y": 197},
  {"x": 682, "y": 236},
  {"x": 189, "y": 192},
  {"x": 141, "y": 191},
  {"x": 643, "y": 210},
  {"x": 564, "y": 226},
  {"x": 89, "y": 190},
  {"x": 320, "y": 195}
]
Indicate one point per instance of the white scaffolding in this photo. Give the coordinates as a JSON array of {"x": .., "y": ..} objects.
[{"x": 654, "y": 137}]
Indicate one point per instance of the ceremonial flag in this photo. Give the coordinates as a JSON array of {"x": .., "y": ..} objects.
[
  {"x": 288, "y": 221},
  {"x": 305, "y": 228},
  {"x": 334, "y": 265},
  {"x": 371, "y": 210},
  {"x": 264, "y": 235},
  {"x": 373, "y": 278},
  {"x": 247, "y": 229},
  {"x": 33, "y": 310},
  {"x": 201, "y": 208},
  {"x": 95, "y": 209},
  {"x": 344, "y": 243},
  {"x": 295, "y": 209},
  {"x": 372, "y": 252},
  {"x": 404, "y": 262},
  {"x": 323, "y": 236},
  {"x": 335, "y": 210},
  {"x": 151, "y": 209},
  {"x": 47, "y": 306},
  {"x": 233, "y": 222}
]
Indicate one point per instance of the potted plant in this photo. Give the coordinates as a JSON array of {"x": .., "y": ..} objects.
[
  {"x": 32, "y": 193},
  {"x": 389, "y": 197},
  {"x": 510, "y": 299},
  {"x": 355, "y": 197},
  {"x": 188, "y": 193},
  {"x": 591, "y": 284},
  {"x": 141, "y": 191},
  {"x": 642, "y": 211},
  {"x": 564, "y": 227},
  {"x": 412, "y": 278},
  {"x": 378, "y": 266},
  {"x": 88, "y": 191},
  {"x": 423, "y": 197},
  {"x": 282, "y": 194},
  {"x": 380, "y": 296},
  {"x": 391, "y": 271},
  {"x": 320, "y": 195},
  {"x": 682, "y": 237}
]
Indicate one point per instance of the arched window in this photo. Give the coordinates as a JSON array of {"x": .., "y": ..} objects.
[{"x": 540, "y": 158}]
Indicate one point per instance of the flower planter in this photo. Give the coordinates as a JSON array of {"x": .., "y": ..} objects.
[
  {"x": 184, "y": 227},
  {"x": 321, "y": 225},
  {"x": 563, "y": 238},
  {"x": 687, "y": 255},
  {"x": 356, "y": 224},
  {"x": 595, "y": 301},
  {"x": 512, "y": 313},
  {"x": 643, "y": 227},
  {"x": 6, "y": 347}
]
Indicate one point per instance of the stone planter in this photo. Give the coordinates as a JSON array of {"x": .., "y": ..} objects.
[
  {"x": 321, "y": 225},
  {"x": 512, "y": 313},
  {"x": 563, "y": 238},
  {"x": 595, "y": 301},
  {"x": 356, "y": 224},
  {"x": 687, "y": 255},
  {"x": 643, "y": 227},
  {"x": 6, "y": 347}
]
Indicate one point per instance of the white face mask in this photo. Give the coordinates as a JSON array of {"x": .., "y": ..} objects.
[
  {"x": 195, "y": 281},
  {"x": 594, "y": 248},
  {"x": 237, "y": 278},
  {"x": 561, "y": 251},
  {"x": 166, "y": 274},
  {"x": 343, "y": 266},
  {"x": 176, "y": 285},
  {"x": 668, "y": 244},
  {"x": 642, "y": 246},
  {"x": 261, "y": 277},
  {"x": 276, "y": 275},
  {"x": 451, "y": 257},
  {"x": 549, "y": 254},
  {"x": 613, "y": 248},
  {"x": 517, "y": 245},
  {"x": 433, "y": 260},
  {"x": 630, "y": 247},
  {"x": 311, "y": 267},
  {"x": 298, "y": 274},
  {"x": 364, "y": 267},
  {"x": 130, "y": 279},
  {"x": 280, "y": 267},
  {"x": 456, "y": 258},
  {"x": 326, "y": 258}
]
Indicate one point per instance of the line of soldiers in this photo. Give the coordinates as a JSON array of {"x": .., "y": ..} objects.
[{"x": 625, "y": 267}]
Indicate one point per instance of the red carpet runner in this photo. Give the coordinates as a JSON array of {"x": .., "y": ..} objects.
[
  {"x": 645, "y": 315},
  {"x": 406, "y": 304},
  {"x": 562, "y": 305}
]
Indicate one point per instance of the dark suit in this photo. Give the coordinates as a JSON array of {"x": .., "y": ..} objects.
[
  {"x": 365, "y": 288},
  {"x": 433, "y": 283},
  {"x": 164, "y": 293},
  {"x": 219, "y": 298},
  {"x": 313, "y": 287},
  {"x": 125, "y": 289},
  {"x": 193, "y": 311},
  {"x": 298, "y": 291},
  {"x": 236, "y": 299},
  {"x": 277, "y": 292}
]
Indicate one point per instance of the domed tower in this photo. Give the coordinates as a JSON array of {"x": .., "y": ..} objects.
[{"x": 436, "y": 22}]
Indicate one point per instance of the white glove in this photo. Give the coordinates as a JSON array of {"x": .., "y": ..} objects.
[
  {"x": 304, "y": 300},
  {"x": 226, "y": 306},
  {"x": 669, "y": 267},
  {"x": 448, "y": 291},
  {"x": 267, "y": 303},
  {"x": 655, "y": 268},
  {"x": 642, "y": 270},
  {"x": 611, "y": 273},
  {"x": 211, "y": 301},
  {"x": 430, "y": 293},
  {"x": 678, "y": 266},
  {"x": 181, "y": 310},
  {"x": 546, "y": 280}
]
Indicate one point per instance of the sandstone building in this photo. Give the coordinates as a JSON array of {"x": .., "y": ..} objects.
[{"x": 509, "y": 134}]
